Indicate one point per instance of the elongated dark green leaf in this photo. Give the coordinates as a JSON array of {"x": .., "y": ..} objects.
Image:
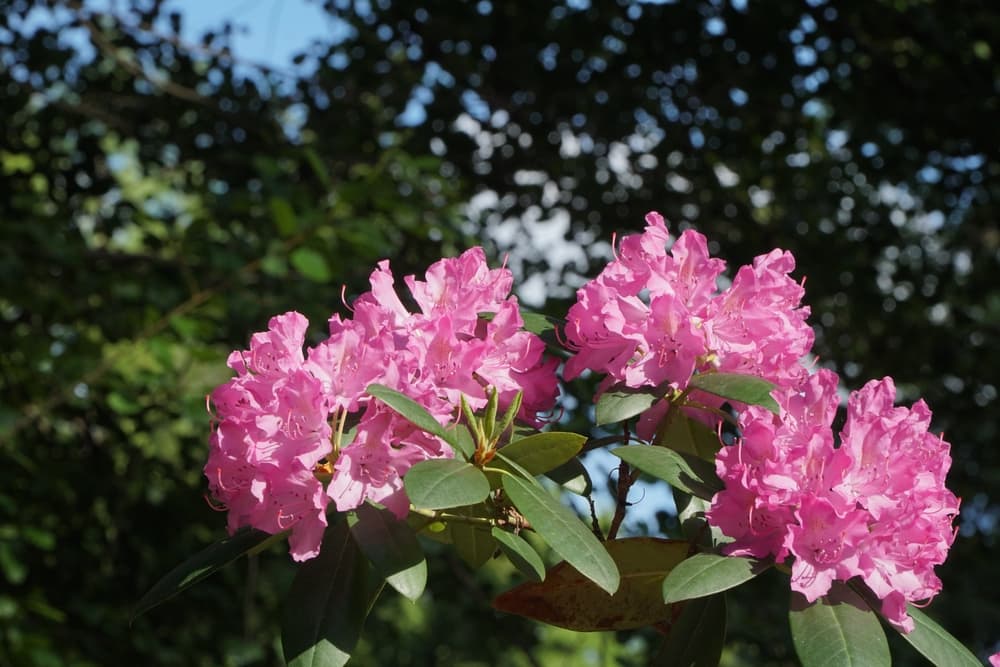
[
  {"x": 743, "y": 388},
  {"x": 542, "y": 452},
  {"x": 572, "y": 476},
  {"x": 696, "y": 638},
  {"x": 705, "y": 574},
  {"x": 200, "y": 566},
  {"x": 474, "y": 544},
  {"x": 683, "y": 471},
  {"x": 443, "y": 483},
  {"x": 521, "y": 554},
  {"x": 328, "y": 602},
  {"x": 392, "y": 547},
  {"x": 563, "y": 531},
  {"x": 936, "y": 644},
  {"x": 689, "y": 436},
  {"x": 413, "y": 411},
  {"x": 841, "y": 634},
  {"x": 621, "y": 404}
]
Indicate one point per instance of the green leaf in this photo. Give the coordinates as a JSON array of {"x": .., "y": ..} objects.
[
  {"x": 706, "y": 574},
  {"x": 535, "y": 323},
  {"x": 474, "y": 544},
  {"x": 685, "y": 472},
  {"x": 442, "y": 483},
  {"x": 413, "y": 411},
  {"x": 841, "y": 633},
  {"x": 542, "y": 452},
  {"x": 328, "y": 602},
  {"x": 521, "y": 554},
  {"x": 689, "y": 436},
  {"x": 538, "y": 323},
  {"x": 621, "y": 404},
  {"x": 463, "y": 442},
  {"x": 572, "y": 476},
  {"x": 696, "y": 637},
  {"x": 284, "y": 216},
  {"x": 311, "y": 265},
  {"x": 935, "y": 643},
  {"x": 743, "y": 388},
  {"x": 392, "y": 547},
  {"x": 563, "y": 531},
  {"x": 201, "y": 565}
]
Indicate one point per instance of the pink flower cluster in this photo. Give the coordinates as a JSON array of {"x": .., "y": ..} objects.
[
  {"x": 277, "y": 421},
  {"x": 654, "y": 317},
  {"x": 875, "y": 507}
]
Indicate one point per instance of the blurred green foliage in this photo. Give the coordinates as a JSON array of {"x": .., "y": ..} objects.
[{"x": 162, "y": 199}]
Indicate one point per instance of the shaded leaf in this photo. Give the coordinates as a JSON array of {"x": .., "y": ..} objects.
[
  {"x": 572, "y": 476},
  {"x": 621, "y": 404},
  {"x": 201, "y": 565},
  {"x": 683, "y": 471},
  {"x": 705, "y": 574},
  {"x": 696, "y": 636},
  {"x": 475, "y": 544},
  {"x": 328, "y": 602},
  {"x": 521, "y": 554},
  {"x": 442, "y": 483},
  {"x": 841, "y": 633},
  {"x": 570, "y": 600},
  {"x": 392, "y": 547},
  {"x": 283, "y": 215},
  {"x": 563, "y": 531},
  {"x": 743, "y": 388},
  {"x": 689, "y": 436}
]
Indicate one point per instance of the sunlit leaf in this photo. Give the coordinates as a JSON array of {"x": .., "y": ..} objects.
[
  {"x": 937, "y": 644},
  {"x": 844, "y": 633},
  {"x": 563, "y": 531},
  {"x": 443, "y": 483},
  {"x": 621, "y": 404},
  {"x": 413, "y": 411},
  {"x": 743, "y": 388},
  {"x": 705, "y": 574},
  {"x": 542, "y": 452},
  {"x": 570, "y": 600}
]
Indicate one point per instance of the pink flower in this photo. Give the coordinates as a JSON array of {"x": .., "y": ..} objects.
[
  {"x": 995, "y": 659},
  {"x": 876, "y": 507},
  {"x": 654, "y": 317},
  {"x": 275, "y": 440}
]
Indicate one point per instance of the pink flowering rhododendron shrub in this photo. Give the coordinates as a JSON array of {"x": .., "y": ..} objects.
[
  {"x": 655, "y": 316},
  {"x": 278, "y": 452},
  {"x": 401, "y": 423},
  {"x": 875, "y": 507}
]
